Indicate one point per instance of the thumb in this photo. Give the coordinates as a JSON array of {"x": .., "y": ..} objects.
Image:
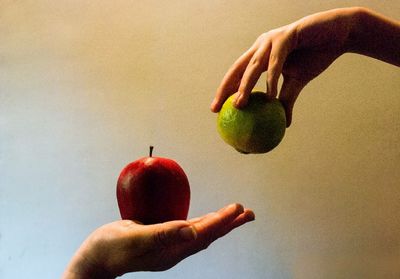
[
  {"x": 290, "y": 90},
  {"x": 171, "y": 233}
]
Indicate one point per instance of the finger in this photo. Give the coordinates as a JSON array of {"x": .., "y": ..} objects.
[
  {"x": 195, "y": 220},
  {"x": 220, "y": 223},
  {"x": 247, "y": 216},
  {"x": 169, "y": 233},
  {"x": 213, "y": 226},
  {"x": 199, "y": 219},
  {"x": 256, "y": 66},
  {"x": 290, "y": 90},
  {"x": 276, "y": 60},
  {"x": 209, "y": 228},
  {"x": 231, "y": 81},
  {"x": 214, "y": 215}
]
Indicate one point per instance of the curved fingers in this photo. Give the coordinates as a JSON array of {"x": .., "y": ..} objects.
[
  {"x": 231, "y": 81},
  {"x": 257, "y": 65}
]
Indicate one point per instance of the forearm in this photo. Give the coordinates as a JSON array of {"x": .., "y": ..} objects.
[{"x": 376, "y": 36}]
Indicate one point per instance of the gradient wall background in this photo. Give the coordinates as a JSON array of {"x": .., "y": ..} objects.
[{"x": 87, "y": 86}]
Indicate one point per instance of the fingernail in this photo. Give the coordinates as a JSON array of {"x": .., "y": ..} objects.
[
  {"x": 236, "y": 207},
  {"x": 188, "y": 233},
  {"x": 213, "y": 103},
  {"x": 252, "y": 216},
  {"x": 216, "y": 106}
]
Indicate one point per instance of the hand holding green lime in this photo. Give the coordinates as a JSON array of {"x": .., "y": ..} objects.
[{"x": 257, "y": 128}]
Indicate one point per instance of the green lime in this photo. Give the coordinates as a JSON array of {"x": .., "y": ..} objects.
[{"x": 257, "y": 128}]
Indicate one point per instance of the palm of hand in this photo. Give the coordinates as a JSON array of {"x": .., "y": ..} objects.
[{"x": 126, "y": 246}]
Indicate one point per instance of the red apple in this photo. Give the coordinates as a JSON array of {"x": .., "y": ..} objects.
[{"x": 153, "y": 190}]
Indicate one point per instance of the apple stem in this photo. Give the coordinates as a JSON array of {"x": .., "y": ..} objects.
[{"x": 151, "y": 150}]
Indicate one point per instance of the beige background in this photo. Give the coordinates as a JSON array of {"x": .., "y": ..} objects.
[{"x": 86, "y": 86}]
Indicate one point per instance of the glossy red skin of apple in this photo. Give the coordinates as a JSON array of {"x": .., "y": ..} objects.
[{"x": 153, "y": 190}]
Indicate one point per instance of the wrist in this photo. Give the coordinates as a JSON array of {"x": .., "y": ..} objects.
[
  {"x": 353, "y": 20},
  {"x": 82, "y": 266},
  {"x": 357, "y": 21}
]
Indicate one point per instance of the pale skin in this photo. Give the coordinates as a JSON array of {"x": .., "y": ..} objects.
[
  {"x": 299, "y": 51},
  {"x": 302, "y": 50},
  {"x": 127, "y": 246}
]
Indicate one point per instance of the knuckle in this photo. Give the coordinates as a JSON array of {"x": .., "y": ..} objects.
[
  {"x": 256, "y": 62},
  {"x": 273, "y": 60},
  {"x": 256, "y": 67},
  {"x": 263, "y": 37}
]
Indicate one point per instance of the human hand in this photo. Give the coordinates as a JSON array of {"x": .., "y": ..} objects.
[
  {"x": 127, "y": 246},
  {"x": 299, "y": 51}
]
